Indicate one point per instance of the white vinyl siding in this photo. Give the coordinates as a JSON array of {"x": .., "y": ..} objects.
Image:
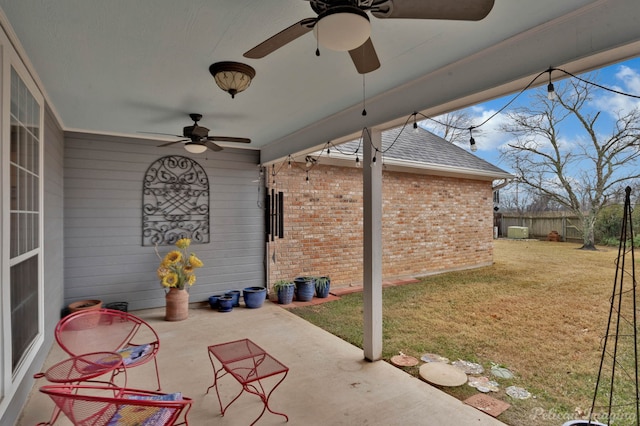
[{"x": 104, "y": 256}]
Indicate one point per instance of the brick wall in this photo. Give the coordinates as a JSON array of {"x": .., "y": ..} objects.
[{"x": 431, "y": 224}]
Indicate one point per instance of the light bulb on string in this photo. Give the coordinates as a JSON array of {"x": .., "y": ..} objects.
[
  {"x": 472, "y": 141},
  {"x": 415, "y": 123},
  {"x": 357, "y": 161},
  {"x": 551, "y": 92}
]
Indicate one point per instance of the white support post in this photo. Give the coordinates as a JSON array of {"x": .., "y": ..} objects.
[{"x": 372, "y": 250}]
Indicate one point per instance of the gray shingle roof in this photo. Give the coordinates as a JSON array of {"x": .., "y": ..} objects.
[{"x": 426, "y": 148}]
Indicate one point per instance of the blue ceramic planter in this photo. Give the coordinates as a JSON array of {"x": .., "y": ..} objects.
[
  {"x": 254, "y": 296},
  {"x": 323, "y": 285},
  {"x": 225, "y": 304},
  {"x": 235, "y": 295},
  {"x": 285, "y": 294},
  {"x": 213, "y": 301},
  {"x": 305, "y": 288}
]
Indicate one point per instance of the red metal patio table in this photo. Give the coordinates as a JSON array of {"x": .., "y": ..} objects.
[{"x": 249, "y": 364}]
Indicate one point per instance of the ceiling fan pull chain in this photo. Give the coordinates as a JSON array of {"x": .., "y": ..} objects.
[
  {"x": 364, "y": 96},
  {"x": 318, "y": 43}
]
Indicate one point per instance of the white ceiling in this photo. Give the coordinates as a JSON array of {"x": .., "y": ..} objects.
[{"x": 121, "y": 66}]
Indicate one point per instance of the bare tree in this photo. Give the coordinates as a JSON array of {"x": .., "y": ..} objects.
[
  {"x": 453, "y": 127},
  {"x": 581, "y": 173}
]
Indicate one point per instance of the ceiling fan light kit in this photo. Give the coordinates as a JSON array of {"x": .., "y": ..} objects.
[
  {"x": 232, "y": 77},
  {"x": 342, "y": 28},
  {"x": 195, "y": 148}
]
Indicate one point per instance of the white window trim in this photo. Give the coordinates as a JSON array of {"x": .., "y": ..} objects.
[{"x": 9, "y": 381}]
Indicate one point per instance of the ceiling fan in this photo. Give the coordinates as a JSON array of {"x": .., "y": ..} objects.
[
  {"x": 197, "y": 138},
  {"x": 344, "y": 25}
]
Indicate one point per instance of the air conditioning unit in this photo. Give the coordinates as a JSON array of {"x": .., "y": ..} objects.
[{"x": 518, "y": 232}]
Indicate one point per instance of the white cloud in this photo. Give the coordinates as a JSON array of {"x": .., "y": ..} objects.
[{"x": 618, "y": 104}]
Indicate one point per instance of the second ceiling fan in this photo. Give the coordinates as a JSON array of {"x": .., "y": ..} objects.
[
  {"x": 196, "y": 138},
  {"x": 344, "y": 25}
]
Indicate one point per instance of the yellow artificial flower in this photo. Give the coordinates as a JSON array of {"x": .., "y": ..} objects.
[
  {"x": 177, "y": 267},
  {"x": 162, "y": 271},
  {"x": 194, "y": 261},
  {"x": 173, "y": 257},
  {"x": 183, "y": 243},
  {"x": 170, "y": 280}
]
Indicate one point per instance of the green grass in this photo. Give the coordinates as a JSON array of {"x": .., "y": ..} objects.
[{"x": 540, "y": 311}]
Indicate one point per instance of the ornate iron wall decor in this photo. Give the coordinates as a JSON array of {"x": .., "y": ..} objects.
[{"x": 175, "y": 202}]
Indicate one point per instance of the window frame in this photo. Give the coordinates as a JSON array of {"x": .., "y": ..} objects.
[{"x": 10, "y": 378}]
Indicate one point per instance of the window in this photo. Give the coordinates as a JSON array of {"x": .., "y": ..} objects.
[
  {"x": 21, "y": 263},
  {"x": 24, "y": 168}
]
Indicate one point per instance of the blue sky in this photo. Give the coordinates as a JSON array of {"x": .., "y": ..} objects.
[{"x": 623, "y": 77}]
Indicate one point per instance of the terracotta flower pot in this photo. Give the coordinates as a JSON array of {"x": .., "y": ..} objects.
[
  {"x": 81, "y": 305},
  {"x": 176, "y": 305}
]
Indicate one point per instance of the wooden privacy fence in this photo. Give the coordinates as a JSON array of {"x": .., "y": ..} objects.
[{"x": 569, "y": 227}]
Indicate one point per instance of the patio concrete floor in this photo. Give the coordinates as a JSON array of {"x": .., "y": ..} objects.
[{"x": 329, "y": 382}]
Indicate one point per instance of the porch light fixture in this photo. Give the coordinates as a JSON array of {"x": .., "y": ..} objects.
[
  {"x": 195, "y": 148},
  {"x": 232, "y": 77},
  {"x": 342, "y": 28}
]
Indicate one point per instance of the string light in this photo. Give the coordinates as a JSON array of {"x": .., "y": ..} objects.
[
  {"x": 472, "y": 141},
  {"x": 551, "y": 92}
]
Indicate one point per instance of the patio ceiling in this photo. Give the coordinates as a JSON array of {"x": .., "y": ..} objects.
[{"x": 120, "y": 67}]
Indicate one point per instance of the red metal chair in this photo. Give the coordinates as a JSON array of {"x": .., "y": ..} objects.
[
  {"x": 109, "y": 406},
  {"x": 108, "y": 330}
]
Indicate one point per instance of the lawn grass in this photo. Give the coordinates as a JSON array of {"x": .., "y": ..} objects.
[{"x": 540, "y": 310}]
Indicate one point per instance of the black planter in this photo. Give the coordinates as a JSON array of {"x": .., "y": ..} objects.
[{"x": 305, "y": 288}]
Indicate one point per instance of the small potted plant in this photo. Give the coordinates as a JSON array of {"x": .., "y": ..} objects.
[
  {"x": 322, "y": 287},
  {"x": 284, "y": 289}
]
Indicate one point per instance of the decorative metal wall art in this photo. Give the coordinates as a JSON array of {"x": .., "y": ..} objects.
[{"x": 175, "y": 202}]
